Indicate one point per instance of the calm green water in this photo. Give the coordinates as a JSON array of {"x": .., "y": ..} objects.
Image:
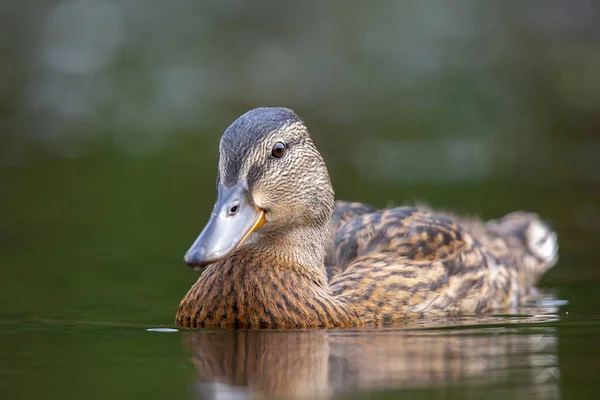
[
  {"x": 110, "y": 116},
  {"x": 553, "y": 358},
  {"x": 91, "y": 260}
]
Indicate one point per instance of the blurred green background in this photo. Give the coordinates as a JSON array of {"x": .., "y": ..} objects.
[{"x": 111, "y": 112}]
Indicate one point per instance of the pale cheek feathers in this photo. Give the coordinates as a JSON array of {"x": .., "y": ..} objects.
[
  {"x": 275, "y": 196},
  {"x": 259, "y": 199}
]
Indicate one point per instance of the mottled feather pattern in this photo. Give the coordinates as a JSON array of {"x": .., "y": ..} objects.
[
  {"x": 388, "y": 265},
  {"x": 343, "y": 212},
  {"x": 320, "y": 263},
  {"x": 405, "y": 231},
  {"x": 245, "y": 291},
  {"x": 521, "y": 239},
  {"x": 410, "y": 262}
]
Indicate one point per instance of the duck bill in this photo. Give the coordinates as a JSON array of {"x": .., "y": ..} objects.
[{"x": 233, "y": 219}]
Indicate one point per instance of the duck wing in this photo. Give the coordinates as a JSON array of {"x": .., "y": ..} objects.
[
  {"x": 411, "y": 262},
  {"x": 343, "y": 212},
  {"x": 408, "y": 232}
]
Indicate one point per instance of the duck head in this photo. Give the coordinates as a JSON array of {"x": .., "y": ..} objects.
[{"x": 272, "y": 187}]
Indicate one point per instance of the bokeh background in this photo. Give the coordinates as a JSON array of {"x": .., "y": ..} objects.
[{"x": 111, "y": 112}]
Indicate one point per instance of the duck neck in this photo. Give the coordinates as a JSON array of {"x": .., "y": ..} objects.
[
  {"x": 301, "y": 248},
  {"x": 255, "y": 289}
]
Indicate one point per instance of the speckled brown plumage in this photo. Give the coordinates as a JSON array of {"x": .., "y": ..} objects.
[
  {"x": 311, "y": 267},
  {"x": 412, "y": 262},
  {"x": 251, "y": 289}
]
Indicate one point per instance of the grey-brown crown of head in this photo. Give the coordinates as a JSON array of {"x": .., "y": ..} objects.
[
  {"x": 245, "y": 133},
  {"x": 298, "y": 182}
]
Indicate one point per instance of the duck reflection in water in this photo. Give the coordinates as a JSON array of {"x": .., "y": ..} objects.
[{"x": 322, "y": 364}]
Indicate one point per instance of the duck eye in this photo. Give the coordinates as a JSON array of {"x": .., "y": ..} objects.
[{"x": 279, "y": 150}]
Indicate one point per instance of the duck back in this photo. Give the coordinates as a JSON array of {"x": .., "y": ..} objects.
[{"x": 412, "y": 262}]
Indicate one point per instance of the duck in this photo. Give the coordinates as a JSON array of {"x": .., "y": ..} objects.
[{"x": 279, "y": 252}]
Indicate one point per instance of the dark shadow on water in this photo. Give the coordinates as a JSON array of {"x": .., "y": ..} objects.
[{"x": 513, "y": 352}]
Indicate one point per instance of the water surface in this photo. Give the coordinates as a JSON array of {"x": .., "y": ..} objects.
[
  {"x": 110, "y": 117},
  {"x": 544, "y": 354}
]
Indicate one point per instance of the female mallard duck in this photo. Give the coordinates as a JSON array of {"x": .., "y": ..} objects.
[{"x": 281, "y": 254}]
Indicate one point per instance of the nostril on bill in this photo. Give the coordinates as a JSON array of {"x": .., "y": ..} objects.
[{"x": 235, "y": 207}]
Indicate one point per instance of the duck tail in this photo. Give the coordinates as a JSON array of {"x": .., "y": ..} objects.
[
  {"x": 532, "y": 241},
  {"x": 542, "y": 242}
]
